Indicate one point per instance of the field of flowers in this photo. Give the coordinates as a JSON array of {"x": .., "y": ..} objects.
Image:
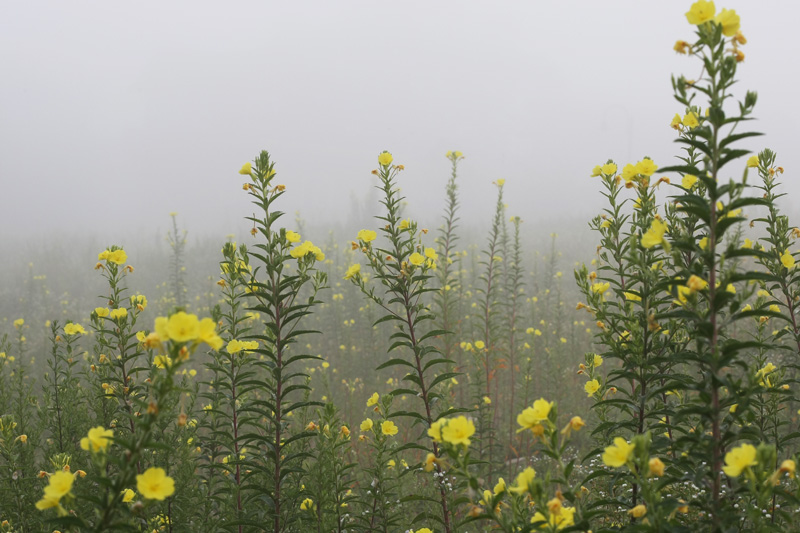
[{"x": 401, "y": 379}]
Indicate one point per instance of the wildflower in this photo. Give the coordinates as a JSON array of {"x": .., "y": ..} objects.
[
  {"x": 597, "y": 360},
  {"x": 373, "y": 400},
  {"x": 632, "y": 297},
  {"x": 532, "y": 416},
  {"x": 155, "y": 484},
  {"x": 789, "y": 467},
  {"x": 646, "y": 167},
  {"x": 656, "y": 467},
  {"x": 738, "y": 459},
  {"x": 638, "y": 511},
  {"x": 430, "y": 462},
  {"x": 500, "y": 486},
  {"x": 523, "y": 481},
  {"x": 385, "y": 159},
  {"x": 575, "y": 424},
  {"x": 416, "y": 259},
  {"x": 162, "y": 361},
  {"x": 560, "y": 517},
  {"x": 787, "y": 260},
  {"x": 101, "y": 311},
  {"x": 618, "y": 454},
  {"x": 600, "y": 288},
  {"x": 729, "y": 21},
  {"x": 208, "y": 335},
  {"x": 696, "y": 283},
  {"x": 97, "y": 440},
  {"x": 700, "y": 12},
  {"x": 458, "y": 431},
  {"x": 352, "y": 271},
  {"x": 752, "y": 161},
  {"x": 307, "y": 505},
  {"x": 655, "y": 235},
  {"x": 435, "y": 431},
  {"x": 690, "y": 120},
  {"x": 74, "y": 329},
  {"x": 181, "y": 327},
  {"x": 596, "y": 171},
  {"x": 367, "y": 235},
  {"x": 591, "y": 387},
  {"x": 682, "y": 47},
  {"x": 246, "y": 169},
  {"x": 480, "y": 345},
  {"x": 59, "y": 485},
  {"x": 128, "y": 495},
  {"x": 388, "y": 428},
  {"x": 292, "y": 237},
  {"x": 118, "y": 314},
  {"x": 628, "y": 172},
  {"x": 688, "y": 181},
  {"x": 609, "y": 169},
  {"x": 234, "y": 346}
]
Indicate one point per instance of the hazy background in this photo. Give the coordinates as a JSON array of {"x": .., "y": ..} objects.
[{"x": 114, "y": 114}]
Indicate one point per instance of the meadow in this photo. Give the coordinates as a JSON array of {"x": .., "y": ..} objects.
[{"x": 422, "y": 375}]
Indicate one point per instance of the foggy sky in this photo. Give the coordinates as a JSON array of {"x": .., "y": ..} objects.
[{"x": 114, "y": 114}]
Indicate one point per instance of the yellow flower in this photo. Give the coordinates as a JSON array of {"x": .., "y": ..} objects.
[
  {"x": 480, "y": 345},
  {"x": 128, "y": 495},
  {"x": 208, "y": 335},
  {"x": 302, "y": 250},
  {"x": 435, "y": 431},
  {"x": 430, "y": 462},
  {"x": 366, "y": 425},
  {"x": 560, "y": 517},
  {"x": 458, "y": 431},
  {"x": 655, "y": 235},
  {"x": 501, "y": 182},
  {"x": 787, "y": 260},
  {"x": 234, "y": 346},
  {"x": 688, "y": 181},
  {"x": 600, "y": 288},
  {"x": 646, "y": 167},
  {"x": 729, "y": 21},
  {"x": 182, "y": 327},
  {"x": 500, "y": 486},
  {"x": 292, "y": 237},
  {"x": 575, "y": 424},
  {"x": 752, "y": 161},
  {"x": 738, "y": 459},
  {"x": 628, "y": 172},
  {"x": 416, "y": 259},
  {"x": 696, "y": 283},
  {"x": 388, "y": 428},
  {"x": 700, "y": 12},
  {"x": 73, "y": 329},
  {"x": 690, "y": 120},
  {"x": 638, "y": 511},
  {"x": 596, "y": 171},
  {"x": 155, "y": 484},
  {"x": 523, "y": 480},
  {"x": 789, "y": 467},
  {"x": 98, "y": 439},
  {"x": 591, "y": 387},
  {"x": 597, "y": 360},
  {"x": 656, "y": 467},
  {"x": 682, "y": 47},
  {"x": 609, "y": 169},
  {"x": 101, "y": 311},
  {"x": 307, "y": 505},
  {"x": 385, "y": 159},
  {"x": 425, "y": 529},
  {"x": 352, "y": 271},
  {"x": 373, "y": 400},
  {"x": 60, "y": 484},
  {"x": 246, "y": 169},
  {"x": 367, "y": 235},
  {"x": 117, "y": 314},
  {"x": 162, "y": 361},
  {"x": 532, "y": 416},
  {"x": 632, "y": 297},
  {"x": 618, "y": 454}
]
